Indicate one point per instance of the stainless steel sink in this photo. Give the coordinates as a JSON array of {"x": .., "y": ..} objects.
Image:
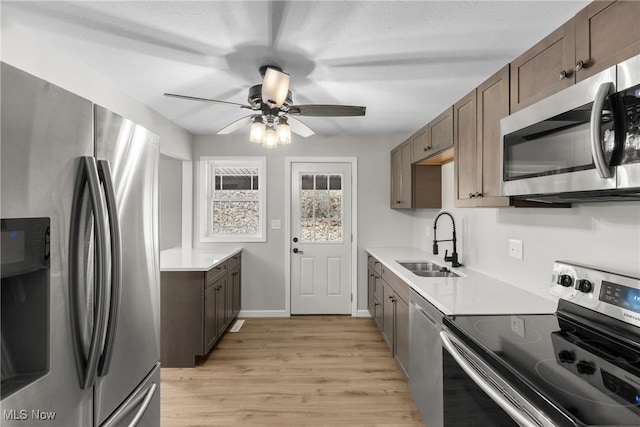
[
  {"x": 435, "y": 273},
  {"x": 420, "y": 266},
  {"x": 427, "y": 269}
]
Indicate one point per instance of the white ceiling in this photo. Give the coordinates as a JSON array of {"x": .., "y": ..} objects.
[{"x": 404, "y": 61}]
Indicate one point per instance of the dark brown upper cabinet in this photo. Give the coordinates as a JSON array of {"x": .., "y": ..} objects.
[
  {"x": 607, "y": 33},
  {"x": 544, "y": 69},
  {"x": 601, "y": 35},
  {"x": 433, "y": 138}
]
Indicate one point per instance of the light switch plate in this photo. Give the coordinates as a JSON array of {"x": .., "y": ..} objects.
[
  {"x": 517, "y": 326},
  {"x": 515, "y": 248},
  {"x": 275, "y": 224}
]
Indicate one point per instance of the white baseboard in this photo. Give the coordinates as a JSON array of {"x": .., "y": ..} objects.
[
  {"x": 263, "y": 313},
  {"x": 283, "y": 313},
  {"x": 363, "y": 313}
]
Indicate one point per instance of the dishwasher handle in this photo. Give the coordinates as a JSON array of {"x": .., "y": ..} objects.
[
  {"x": 523, "y": 419},
  {"x": 424, "y": 313}
]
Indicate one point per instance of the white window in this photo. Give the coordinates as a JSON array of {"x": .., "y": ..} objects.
[{"x": 233, "y": 199}]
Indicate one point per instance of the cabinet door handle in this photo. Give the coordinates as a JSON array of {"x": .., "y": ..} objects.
[
  {"x": 565, "y": 74},
  {"x": 477, "y": 195},
  {"x": 582, "y": 64}
]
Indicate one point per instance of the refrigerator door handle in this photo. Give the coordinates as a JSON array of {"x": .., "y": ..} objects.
[
  {"x": 104, "y": 170},
  {"x": 87, "y": 364},
  {"x": 144, "y": 400}
]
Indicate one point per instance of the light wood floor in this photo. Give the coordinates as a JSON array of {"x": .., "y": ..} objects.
[{"x": 311, "y": 370}]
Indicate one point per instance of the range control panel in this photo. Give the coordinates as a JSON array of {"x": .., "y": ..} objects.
[
  {"x": 620, "y": 295},
  {"x": 614, "y": 294}
]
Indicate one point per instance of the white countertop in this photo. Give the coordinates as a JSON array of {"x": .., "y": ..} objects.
[
  {"x": 471, "y": 293},
  {"x": 189, "y": 259}
]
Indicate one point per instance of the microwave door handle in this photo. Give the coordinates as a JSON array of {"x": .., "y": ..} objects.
[
  {"x": 498, "y": 398},
  {"x": 597, "y": 150}
]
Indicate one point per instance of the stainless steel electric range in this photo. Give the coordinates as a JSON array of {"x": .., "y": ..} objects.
[{"x": 577, "y": 367}]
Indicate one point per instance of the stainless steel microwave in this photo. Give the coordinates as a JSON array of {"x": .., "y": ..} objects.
[{"x": 580, "y": 144}]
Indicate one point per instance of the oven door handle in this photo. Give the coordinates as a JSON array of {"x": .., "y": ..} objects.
[
  {"x": 521, "y": 418},
  {"x": 597, "y": 151}
]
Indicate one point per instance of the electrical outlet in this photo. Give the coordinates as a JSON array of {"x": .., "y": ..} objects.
[
  {"x": 517, "y": 326},
  {"x": 515, "y": 248}
]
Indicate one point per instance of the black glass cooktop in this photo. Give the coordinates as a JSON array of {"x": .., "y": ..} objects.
[{"x": 574, "y": 374}]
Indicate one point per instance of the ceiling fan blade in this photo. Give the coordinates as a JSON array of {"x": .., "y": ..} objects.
[
  {"x": 235, "y": 125},
  {"x": 275, "y": 87},
  {"x": 300, "y": 128},
  {"x": 318, "y": 110},
  {"x": 215, "y": 101}
]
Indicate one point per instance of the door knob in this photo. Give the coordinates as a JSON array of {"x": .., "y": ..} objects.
[{"x": 297, "y": 251}]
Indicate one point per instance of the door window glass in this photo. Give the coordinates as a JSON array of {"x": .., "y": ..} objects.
[{"x": 321, "y": 208}]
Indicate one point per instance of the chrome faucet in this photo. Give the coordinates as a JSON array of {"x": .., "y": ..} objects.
[{"x": 454, "y": 256}]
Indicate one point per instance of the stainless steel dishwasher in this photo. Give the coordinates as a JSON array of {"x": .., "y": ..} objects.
[{"x": 425, "y": 359}]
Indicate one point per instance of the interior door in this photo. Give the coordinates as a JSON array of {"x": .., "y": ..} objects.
[{"x": 321, "y": 238}]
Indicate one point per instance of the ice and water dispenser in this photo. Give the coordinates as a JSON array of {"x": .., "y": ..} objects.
[{"x": 25, "y": 281}]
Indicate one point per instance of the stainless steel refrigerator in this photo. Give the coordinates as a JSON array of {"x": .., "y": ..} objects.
[{"x": 80, "y": 324}]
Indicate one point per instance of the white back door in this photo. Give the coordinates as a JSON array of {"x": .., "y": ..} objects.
[{"x": 321, "y": 238}]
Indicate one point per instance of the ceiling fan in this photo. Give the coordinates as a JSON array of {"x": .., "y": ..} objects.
[{"x": 271, "y": 103}]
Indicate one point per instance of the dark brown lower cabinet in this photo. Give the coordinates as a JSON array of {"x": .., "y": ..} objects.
[
  {"x": 210, "y": 307},
  {"x": 388, "y": 304},
  {"x": 388, "y": 324},
  {"x": 221, "y": 312},
  {"x": 235, "y": 278},
  {"x": 196, "y": 308}
]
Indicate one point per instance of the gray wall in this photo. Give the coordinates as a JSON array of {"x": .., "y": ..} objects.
[
  {"x": 264, "y": 263},
  {"x": 601, "y": 234},
  {"x": 170, "y": 188}
]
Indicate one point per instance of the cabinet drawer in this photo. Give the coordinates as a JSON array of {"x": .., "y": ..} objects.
[
  {"x": 234, "y": 261},
  {"x": 375, "y": 264},
  {"x": 400, "y": 287},
  {"x": 371, "y": 261},
  {"x": 215, "y": 273}
]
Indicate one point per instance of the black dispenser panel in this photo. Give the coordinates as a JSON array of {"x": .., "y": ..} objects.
[{"x": 24, "y": 286}]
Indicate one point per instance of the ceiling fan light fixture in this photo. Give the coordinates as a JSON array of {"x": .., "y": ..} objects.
[
  {"x": 258, "y": 130},
  {"x": 275, "y": 87},
  {"x": 284, "y": 131},
  {"x": 270, "y": 139}
]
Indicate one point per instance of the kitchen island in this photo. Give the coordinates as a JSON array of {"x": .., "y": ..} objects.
[{"x": 200, "y": 298}]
